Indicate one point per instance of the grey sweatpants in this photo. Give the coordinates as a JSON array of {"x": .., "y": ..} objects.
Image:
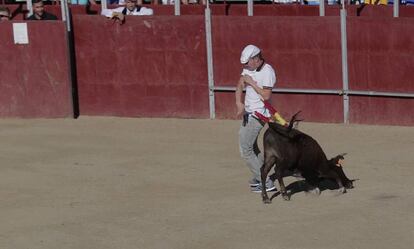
[{"x": 249, "y": 150}]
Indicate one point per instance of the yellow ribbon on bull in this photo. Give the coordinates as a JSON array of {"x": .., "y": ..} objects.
[{"x": 278, "y": 119}]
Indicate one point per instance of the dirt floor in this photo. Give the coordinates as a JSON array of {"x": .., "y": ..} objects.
[{"x": 118, "y": 183}]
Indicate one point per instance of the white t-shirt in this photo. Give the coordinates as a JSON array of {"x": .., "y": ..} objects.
[
  {"x": 265, "y": 77},
  {"x": 142, "y": 12}
]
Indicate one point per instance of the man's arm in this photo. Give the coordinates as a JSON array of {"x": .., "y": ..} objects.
[
  {"x": 145, "y": 12},
  {"x": 239, "y": 102},
  {"x": 265, "y": 93},
  {"x": 112, "y": 12}
]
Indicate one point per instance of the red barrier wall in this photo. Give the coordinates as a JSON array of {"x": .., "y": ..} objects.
[
  {"x": 34, "y": 78},
  {"x": 381, "y": 58},
  {"x": 306, "y": 57},
  {"x": 154, "y": 67},
  {"x": 381, "y": 110},
  {"x": 407, "y": 11},
  {"x": 381, "y": 54}
]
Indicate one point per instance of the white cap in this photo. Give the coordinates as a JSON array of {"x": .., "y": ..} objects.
[
  {"x": 248, "y": 52},
  {"x": 4, "y": 13}
]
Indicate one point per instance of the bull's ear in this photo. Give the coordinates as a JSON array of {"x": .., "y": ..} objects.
[
  {"x": 338, "y": 159},
  {"x": 343, "y": 154}
]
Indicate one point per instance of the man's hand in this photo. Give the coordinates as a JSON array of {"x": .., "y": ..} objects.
[
  {"x": 240, "y": 109},
  {"x": 249, "y": 80},
  {"x": 239, "y": 100},
  {"x": 119, "y": 16}
]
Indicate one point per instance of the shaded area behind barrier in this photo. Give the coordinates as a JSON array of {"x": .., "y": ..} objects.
[
  {"x": 34, "y": 78},
  {"x": 150, "y": 66},
  {"x": 17, "y": 11},
  {"x": 285, "y": 10},
  {"x": 237, "y": 10},
  {"x": 305, "y": 52}
]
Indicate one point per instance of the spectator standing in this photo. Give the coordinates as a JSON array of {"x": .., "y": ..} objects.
[
  {"x": 39, "y": 12},
  {"x": 258, "y": 78}
]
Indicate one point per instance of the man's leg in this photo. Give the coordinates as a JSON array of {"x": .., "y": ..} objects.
[{"x": 247, "y": 139}]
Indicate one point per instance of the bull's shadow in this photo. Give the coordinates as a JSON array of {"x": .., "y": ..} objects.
[{"x": 302, "y": 186}]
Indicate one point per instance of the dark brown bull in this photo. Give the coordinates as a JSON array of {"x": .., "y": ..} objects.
[{"x": 293, "y": 150}]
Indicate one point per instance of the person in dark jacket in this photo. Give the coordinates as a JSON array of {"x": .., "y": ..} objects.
[{"x": 39, "y": 12}]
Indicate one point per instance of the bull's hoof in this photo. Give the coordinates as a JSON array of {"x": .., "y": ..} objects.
[
  {"x": 286, "y": 197},
  {"x": 316, "y": 191},
  {"x": 267, "y": 201},
  {"x": 349, "y": 186},
  {"x": 342, "y": 190}
]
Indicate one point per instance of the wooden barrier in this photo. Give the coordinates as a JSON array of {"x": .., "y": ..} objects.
[
  {"x": 381, "y": 58},
  {"x": 149, "y": 66},
  {"x": 305, "y": 52},
  {"x": 34, "y": 77},
  {"x": 155, "y": 66}
]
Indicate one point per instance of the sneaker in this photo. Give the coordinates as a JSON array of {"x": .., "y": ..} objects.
[
  {"x": 254, "y": 182},
  {"x": 269, "y": 187}
]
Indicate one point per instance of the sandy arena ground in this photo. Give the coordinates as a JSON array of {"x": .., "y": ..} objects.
[{"x": 118, "y": 183}]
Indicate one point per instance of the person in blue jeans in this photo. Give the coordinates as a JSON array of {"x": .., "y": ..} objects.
[{"x": 258, "y": 78}]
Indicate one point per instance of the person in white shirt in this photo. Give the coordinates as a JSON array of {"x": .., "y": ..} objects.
[
  {"x": 131, "y": 8},
  {"x": 258, "y": 78}
]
